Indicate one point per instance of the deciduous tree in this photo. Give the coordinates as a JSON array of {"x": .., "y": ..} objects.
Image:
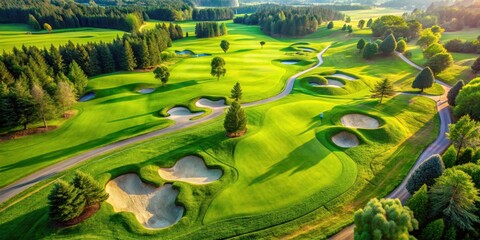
[
  {"x": 361, "y": 24},
  {"x": 453, "y": 93},
  {"x": 476, "y": 65},
  {"x": 401, "y": 46},
  {"x": 225, "y": 45},
  {"x": 467, "y": 100},
  {"x": 43, "y": 102},
  {"x": 47, "y": 27},
  {"x": 440, "y": 62},
  {"x": 330, "y": 25},
  {"x": 361, "y": 44},
  {"x": 218, "y": 67},
  {"x": 162, "y": 73},
  {"x": 262, "y": 43},
  {"x": 65, "y": 96}
]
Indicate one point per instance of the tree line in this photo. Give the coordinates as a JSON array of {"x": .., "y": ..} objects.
[
  {"x": 458, "y": 45},
  {"x": 40, "y": 84},
  {"x": 61, "y": 14},
  {"x": 212, "y": 14},
  {"x": 289, "y": 21},
  {"x": 210, "y": 29}
]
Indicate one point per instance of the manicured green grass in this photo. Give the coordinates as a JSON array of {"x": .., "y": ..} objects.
[
  {"x": 372, "y": 13},
  {"x": 467, "y": 34},
  {"x": 16, "y": 35},
  {"x": 285, "y": 173}
]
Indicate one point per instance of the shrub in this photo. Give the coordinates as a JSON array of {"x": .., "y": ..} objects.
[
  {"x": 418, "y": 203},
  {"x": 433, "y": 231},
  {"x": 426, "y": 173},
  {"x": 453, "y": 93},
  {"x": 370, "y": 50},
  {"x": 408, "y": 54},
  {"x": 450, "y": 157},
  {"x": 401, "y": 46},
  {"x": 440, "y": 62},
  {"x": 388, "y": 45},
  {"x": 466, "y": 156}
]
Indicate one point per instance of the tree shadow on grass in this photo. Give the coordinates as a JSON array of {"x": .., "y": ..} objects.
[
  {"x": 21, "y": 226},
  {"x": 298, "y": 160}
]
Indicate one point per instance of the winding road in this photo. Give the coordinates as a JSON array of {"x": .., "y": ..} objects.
[
  {"x": 15, "y": 188},
  {"x": 437, "y": 147}
]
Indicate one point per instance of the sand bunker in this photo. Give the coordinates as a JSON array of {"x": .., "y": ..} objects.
[
  {"x": 292, "y": 62},
  {"x": 331, "y": 83},
  {"x": 146, "y": 90},
  {"x": 87, "y": 97},
  {"x": 306, "y": 49},
  {"x": 181, "y": 114},
  {"x": 345, "y": 139},
  {"x": 360, "y": 121},
  {"x": 343, "y": 76},
  {"x": 207, "y": 103},
  {"x": 190, "y": 169},
  {"x": 153, "y": 207}
]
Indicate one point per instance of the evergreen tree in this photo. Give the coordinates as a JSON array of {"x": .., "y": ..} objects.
[
  {"x": 66, "y": 202},
  {"x": 392, "y": 220},
  {"x": 453, "y": 93},
  {"x": 32, "y": 21},
  {"x": 128, "y": 62},
  {"x": 464, "y": 133},
  {"x": 466, "y": 156},
  {"x": 361, "y": 44},
  {"x": 78, "y": 78},
  {"x": 426, "y": 173},
  {"x": 144, "y": 59},
  {"x": 223, "y": 29},
  {"x": 418, "y": 203},
  {"x": 383, "y": 89},
  {"x": 89, "y": 188},
  {"x": 218, "y": 67},
  {"x": 55, "y": 60},
  {"x": 401, "y": 46},
  {"x": 440, "y": 62},
  {"x": 225, "y": 45},
  {"x": 5, "y": 76},
  {"x": 454, "y": 196},
  {"x": 450, "y": 157},
  {"x": 370, "y": 50},
  {"x": 349, "y": 29},
  {"x": 162, "y": 73},
  {"x": 389, "y": 44},
  {"x": 235, "y": 120},
  {"x": 237, "y": 92},
  {"x": 330, "y": 25},
  {"x": 369, "y": 23},
  {"x": 476, "y": 65},
  {"x": 433, "y": 231},
  {"x": 106, "y": 58},
  {"x": 94, "y": 65},
  {"x": 65, "y": 96},
  {"x": 424, "y": 79}
]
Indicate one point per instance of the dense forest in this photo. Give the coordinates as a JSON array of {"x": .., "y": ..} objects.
[
  {"x": 36, "y": 84},
  {"x": 61, "y": 14},
  {"x": 290, "y": 21},
  {"x": 210, "y": 29},
  {"x": 212, "y": 14}
]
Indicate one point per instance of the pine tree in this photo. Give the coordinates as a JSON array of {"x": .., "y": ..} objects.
[
  {"x": 361, "y": 44},
  {"x": 5, "y": 76},
  {"x": 383, "y": 89},
  {"x": 223, "y": 29},
  {"x": 418, "y": 203},
  {"x": 55, "y": 60},
  {"x": 32, "y": 21},
  {"x": 66, "y": 202},
  {"x": 424, "y": 79},
  {"x": 128, "y": 62},
  {"x": 162, "y": 73},
  {"x": 144, "y": 60},
  {"x": 78, "y": 78},
  {"x": 89, "y": 188},
  {"x": 237, "y": 92},
  {"x": 94, "y": 65},
  {"x": 453, "y": 93},
  {"x": 235, "y": 120},
  {"x": 389, "y": 44}
]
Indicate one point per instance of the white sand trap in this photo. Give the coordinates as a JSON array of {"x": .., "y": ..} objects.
[
  {"x": 207, "y": 103},
  {"x": 345, "y": 139},
  {"x": 331, "y": 83},
  {"x": 307, "y": 49},
  {"x": 87, "y": 97},
  {"x": 190, "y": 169},
  {"x": 360, "y": 121},
  {"x": 181, "y": 114},
  {"x": 343, "y": 76},
  {"x": 153, "y": 207},
  {"x": 290, "y": 62},
  {"x": 146, "y": 90}
]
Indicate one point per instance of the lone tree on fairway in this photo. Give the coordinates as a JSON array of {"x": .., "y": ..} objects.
[
  {"x": 454, "y": 196},
  {"x": 330, "y": 25},
  {"x": 383, "y": 89},
  {"x": 237, "y": 92},
  {"x": 426, "y": 173},
  {"x": 463, "y": 133},
  {"x": 361, "y": 24},
  {"x": 65, "y": 201},
  {"x": 424, "y": 79},
  {"x": 89, "y": 188},
  {"x": 392, "y": 220},
  {"x": 388, "y": 45},
  {"x": 453, "y": 93},
  {"x": 65, "y": 96},
  {"x": 262, "y": 43},
  {"x": 225, "y": 45},
  {"x": 370, "y": 50},
  {"x": 162, "y": 73},
  {"x": 401, "y": 46},
  {"x": 218, "y": 67},
  {"x": 476, "y": 65},
  {"x": 235, "y": 121},
  {"x": 361, "y": 44},
  {"x": 47, "y": 27}
]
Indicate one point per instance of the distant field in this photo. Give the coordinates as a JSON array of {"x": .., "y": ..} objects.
[
  {"x": 467, "y": 34},
  {"x": 15, "y": 35},
  {"x": 372, "y": 13}
]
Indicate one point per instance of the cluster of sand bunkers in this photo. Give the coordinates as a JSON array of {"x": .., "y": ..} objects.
[
  {"x": 155, "y": 207},
  {"x": 333, "y": 82},
  {"x": 347, "y": 139}
]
